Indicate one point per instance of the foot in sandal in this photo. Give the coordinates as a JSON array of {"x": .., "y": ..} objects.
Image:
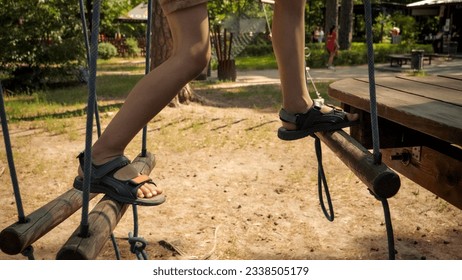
[
  {"x": 118, "y": 179},
  {"x": 316, "y": 119}
]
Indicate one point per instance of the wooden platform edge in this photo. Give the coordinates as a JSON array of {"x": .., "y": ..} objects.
[
  {"x": 379, "y": 178},
  {"x": 103, "y": 219}
]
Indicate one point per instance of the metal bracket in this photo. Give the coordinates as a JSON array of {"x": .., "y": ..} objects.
[{"x": 416, "y": 152}]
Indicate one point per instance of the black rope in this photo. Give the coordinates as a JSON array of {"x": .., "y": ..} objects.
[
  {"x": 372, "y": 93},
  {"x": 147, "y": 68},
  {"x": 87, "y": 48},
  {"x": 11, "y": 166},
  {"x": 84, "y": 226},
  {"x": 374, "y": 121},
  {"x": 116, "y": 247},
  {"x": 389, "y": 227},
  {"x": 137, "y": 244},
  {"x": 29, "y": 253},
  {"x": 322, "y": 183}
]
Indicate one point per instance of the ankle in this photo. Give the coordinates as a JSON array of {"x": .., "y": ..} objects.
[
  {"x": 99, "y": 157},
  {"x": 298, "y": 109}
]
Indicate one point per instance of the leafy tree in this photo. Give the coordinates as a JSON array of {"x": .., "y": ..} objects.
[
  {"x": 38, "y": 38},
  {"x": 346, "y": 25},
  {"x": 407, "y": 25},
  {"x": 112, "y": 10}
]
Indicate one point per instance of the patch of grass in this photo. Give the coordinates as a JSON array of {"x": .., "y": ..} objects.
[
  {"x": 69, "y": 102},
  {"x": 256, "y": 63},
  {"x": 121, "y": 64}
]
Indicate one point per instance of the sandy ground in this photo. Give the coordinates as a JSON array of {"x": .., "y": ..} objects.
[{"x": 234, "y": 191}]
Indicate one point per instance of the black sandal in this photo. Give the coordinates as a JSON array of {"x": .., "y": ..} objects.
[
  {"x": 313, "y": 121},
  {"x": 125, "y": 191}
]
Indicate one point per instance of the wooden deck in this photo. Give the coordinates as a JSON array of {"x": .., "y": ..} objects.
[{"x": 420, "y": 127}]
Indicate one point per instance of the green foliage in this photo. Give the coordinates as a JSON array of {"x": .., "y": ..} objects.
[
  {"x": 381, "y": 28},
  {"x": 132, "y": 47},
  {"x": 106, "y": 50},
  {"x": 407, "y": 25},
  {"x": 384, "y": 23},
  {"x": 38, "y": 38},
  {"x": 259, "y": 47},
  {"x": 357, "y": 55},
  {"x": 112, "y": 10}
]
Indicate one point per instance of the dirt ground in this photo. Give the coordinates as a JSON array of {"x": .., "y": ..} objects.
[{"x": 234, "y": 191}]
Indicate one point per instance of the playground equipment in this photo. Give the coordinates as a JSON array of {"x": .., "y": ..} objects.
[{"x": 98, "y": 225}]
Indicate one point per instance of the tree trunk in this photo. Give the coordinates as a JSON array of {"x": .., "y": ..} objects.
[
  {"x": 345, "y": 35},
  {"x": 331, "y": 15},
  {"x": 161, "y": 49}
]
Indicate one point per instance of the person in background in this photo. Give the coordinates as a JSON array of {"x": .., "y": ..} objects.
[
  {"x": 315, "y": 37},
  {"x": 321, "y": 36},
  {"x": 332, "y": 46}
]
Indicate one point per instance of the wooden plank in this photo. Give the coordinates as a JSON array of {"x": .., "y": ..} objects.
[
  {"x": 102, "y": 220},
  {"x": 437, "y": 172},
  {"x": 456, "y": 77},
  {"x": 440, "y": 81},
  {"x": 379, "y": 179},
  {"x": 430, "y": 91},
  {"x": 18, "y": 236},
  {"x": 431, "y": 117}
]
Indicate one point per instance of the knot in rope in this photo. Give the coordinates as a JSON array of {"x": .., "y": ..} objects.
[
  {"x": 137, "y": 245},
  {"x": 29, "y": 253}
]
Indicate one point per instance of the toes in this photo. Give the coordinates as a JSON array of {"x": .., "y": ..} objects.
[
  {"x": 140, "y": 193},
  {"x": 352, "y": 117},
  {"x": 148, "y": 191}
]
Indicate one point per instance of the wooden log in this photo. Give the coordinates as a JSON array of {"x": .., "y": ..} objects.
[
  {"x": 102, "y": 220},
  {"x": 380, "y": 180},
  {"x": 18, "y": 236}
]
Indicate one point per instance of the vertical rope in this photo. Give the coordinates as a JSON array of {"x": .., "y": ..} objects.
[
  {"x": 389, "y": 226},
  {"x": 84, "y": 226},
  {"x": 9, "y": 155},
  {"x": 137, "y": 243},
  {"x": 373, "y": 100},
  {"x": 87, "y": 48},
  {"x": 322, "y": 181},
  {"x": 374, "y": 123},
  {"x": 147, "y": 68}
]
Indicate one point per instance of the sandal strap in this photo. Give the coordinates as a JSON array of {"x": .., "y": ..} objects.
[
  {"x": 299, "y": 119},
  {"x": 99, "y": 171},
  {"x": 287, "y": 117},
  {"x": 313, "y": 116},
  {"x": 141, "y": 179}
]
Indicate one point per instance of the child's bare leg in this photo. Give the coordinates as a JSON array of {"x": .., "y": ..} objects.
[
  {"x": 289, "y": 46},
  {"x": 153, "y": 92}
]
